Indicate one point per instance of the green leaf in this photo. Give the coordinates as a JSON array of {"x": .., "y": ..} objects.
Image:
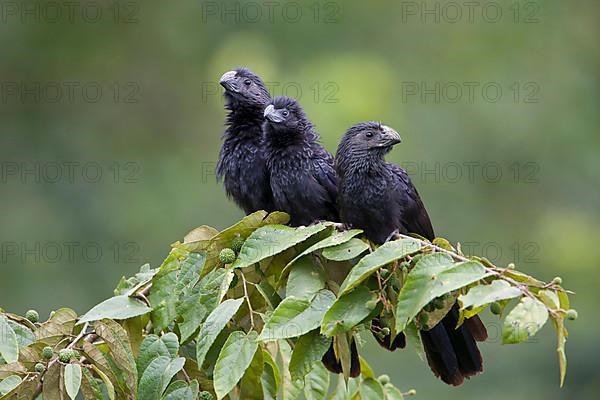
[
  {"x": 371, "y": 389},
  {"x": 118, "y": 307},
  {"x": 485, "y": 294},
  {"x": 333, "y": 240},
  {"x": 295, "y": 317},
  {"x": 115, "y": 337},
  {"x": 316, "y": 383},
  {"x": 309, "y": 349},
  {"x": 110, "y": 388},
  {"x": 433, "y": 275},
  {"x": 305, "y": 279},
  {"x": 348, "y": 310},
  {"x": 235, "y": 357},
  {"x": 213, "y": 325},
  {"x": 9, "y": 384},
  {"x": 202, "y": 300},
  {"x": 271, "y": 377},
  {"x": 152, "y": 347},
  {"x": 385, "y": 254},
  {"x": 392, "y": 392},
  {"x": 89, "y": 386},
  {"x": 9, "y": 347},
  {"x": 24, "y": 335},
  {"x": 61, "y": 323},
  {"x": 291, "y": 388},
  {"x": 251, "y": 383},
  {"x": 345, "y": 251},
  {"x": 273, "y": 239},
  {"x": 157, "y": 376},
  {"x": 72, "y": 379},
  {"x": 561, "y": 336},
  {"x": 524, "y": 321}
]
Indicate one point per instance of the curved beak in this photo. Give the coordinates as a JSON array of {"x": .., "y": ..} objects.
[
  {"x": 226, "y": 80},
  {"x": 272, "y": 114},
  {"x": 389, "y": 137}
]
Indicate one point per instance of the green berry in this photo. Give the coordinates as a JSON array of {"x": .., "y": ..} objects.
[
  {"x": 423, "y": 319},
  {"x": 32, "y": 316},
  {"x": 39, "y": 367},
  {"x": 439, "y": 303},
  {"x": 65, "y": 355},
  {"x": 411, "y": 392},
  {"x": 384, "y": 379},
  {"x": 429, "y": 307},
  {"x": 47, "y": 352},
  {"x": 205, "y": 396},
  {"x": 557, "y": 280},
  {"x": 75, "y": 354},
  {"x": 384, "y": 272},
  {"x": 385, "y": 331},
  {"x": 227, "y": 256},
  {"x": 571, "y": 315},
  {"x": 237, "y": 243},
  {"x": 496, "y": 308}
]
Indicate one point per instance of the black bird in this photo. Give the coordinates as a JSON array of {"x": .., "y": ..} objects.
[
  {"x": 379, "y": 198},
  {"x": 302, "y": 174},
  {"x": 303, "y": 182},
  {"x": 241, "y": 163}
]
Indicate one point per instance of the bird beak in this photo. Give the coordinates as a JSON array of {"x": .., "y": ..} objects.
[
  {"x": 271, "y": 114},
  {"x": 226, "y": 79},
  {"x": 389, "y": 137}
]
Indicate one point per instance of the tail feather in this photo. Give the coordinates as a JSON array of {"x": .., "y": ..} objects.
[
  {"x": 452, "y": 353},
  {"x": 334, "y": 364},
  {"x": 477, "y": 329}
]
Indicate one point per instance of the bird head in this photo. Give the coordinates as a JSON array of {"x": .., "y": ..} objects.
[
  {"x": 285, "y": 114},
  {"x": 244, "y": 87},
  {"x": 370, "y": 137}
]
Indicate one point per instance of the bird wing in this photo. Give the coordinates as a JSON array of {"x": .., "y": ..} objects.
[
  {"x": 325, "y": 175},
  {"x": 414, "y": 216}
]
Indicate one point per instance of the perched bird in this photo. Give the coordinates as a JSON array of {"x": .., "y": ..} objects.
[
  {"x": 379, "y": 198},
  {"x": 302, "y": 174},
  {"x": 241, "y": 164},
  {"x": 303, "y": 182}
]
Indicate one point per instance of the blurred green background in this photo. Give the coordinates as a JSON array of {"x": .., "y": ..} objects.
[{"x": 514, "y": 176}]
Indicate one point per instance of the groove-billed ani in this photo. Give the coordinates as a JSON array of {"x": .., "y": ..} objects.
[
  {"x": 303, "y": 182},
  {"x": 303, "y": 179},
  {"x": 379, "y": 198},
  {"x": 241, "y": 163}
]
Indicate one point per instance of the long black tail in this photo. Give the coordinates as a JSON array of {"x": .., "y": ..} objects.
[
  {"x": 452, "y": 353},
  {"x": 334, "y": 364}
]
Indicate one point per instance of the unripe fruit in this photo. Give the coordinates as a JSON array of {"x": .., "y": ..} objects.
[
  {"x": 571, "y": 315},
  {"x": 384, "y": 272},
  {"x": 439, "y": 303},
  {"x": 557, "y": 280},
  {"x": 496, "y": 308},
  {"x": 32, "y": 316},
  {"x": 47, "y": 352},
  {"x": 227, "y": 256},
  {"x": 75, "y": 354},
  {"x": 237, "y": 243},
  {"x": 65, "y": 355},
  {"x": 429, "y": 307},
  {"x": 411, "y": 392},
  {"x": 39, "y": 367},
  {"x": 385, "y": 331},
  {"x": 384, "y": 379},
  {"x": 206, "y": 396},
  {"x": 423, "y": 319}
]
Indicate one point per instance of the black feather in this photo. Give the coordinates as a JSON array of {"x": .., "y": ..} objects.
[
  {"x": 379, "y": 198},
  {"x": 241, "y": 165},
  {"x": 302, "y": 174}
]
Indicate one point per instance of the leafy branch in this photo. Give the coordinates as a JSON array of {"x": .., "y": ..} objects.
[{"x": 179, "y": 331}]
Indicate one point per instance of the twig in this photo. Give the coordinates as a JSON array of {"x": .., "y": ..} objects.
[
  {"x": 493, "y": 271},
  {"x": 251, "y": 311}
]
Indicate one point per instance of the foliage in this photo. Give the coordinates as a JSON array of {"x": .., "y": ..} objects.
[{"x": 257, "y": 327}]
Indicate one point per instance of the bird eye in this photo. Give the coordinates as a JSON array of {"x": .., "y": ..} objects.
[
  {"x": 369, "y": 134},
  {"x": 247, "y": 82},
  {"x": 285, "y": 113}
]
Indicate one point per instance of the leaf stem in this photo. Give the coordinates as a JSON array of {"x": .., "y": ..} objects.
[{"x": 251, "y": 311}]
